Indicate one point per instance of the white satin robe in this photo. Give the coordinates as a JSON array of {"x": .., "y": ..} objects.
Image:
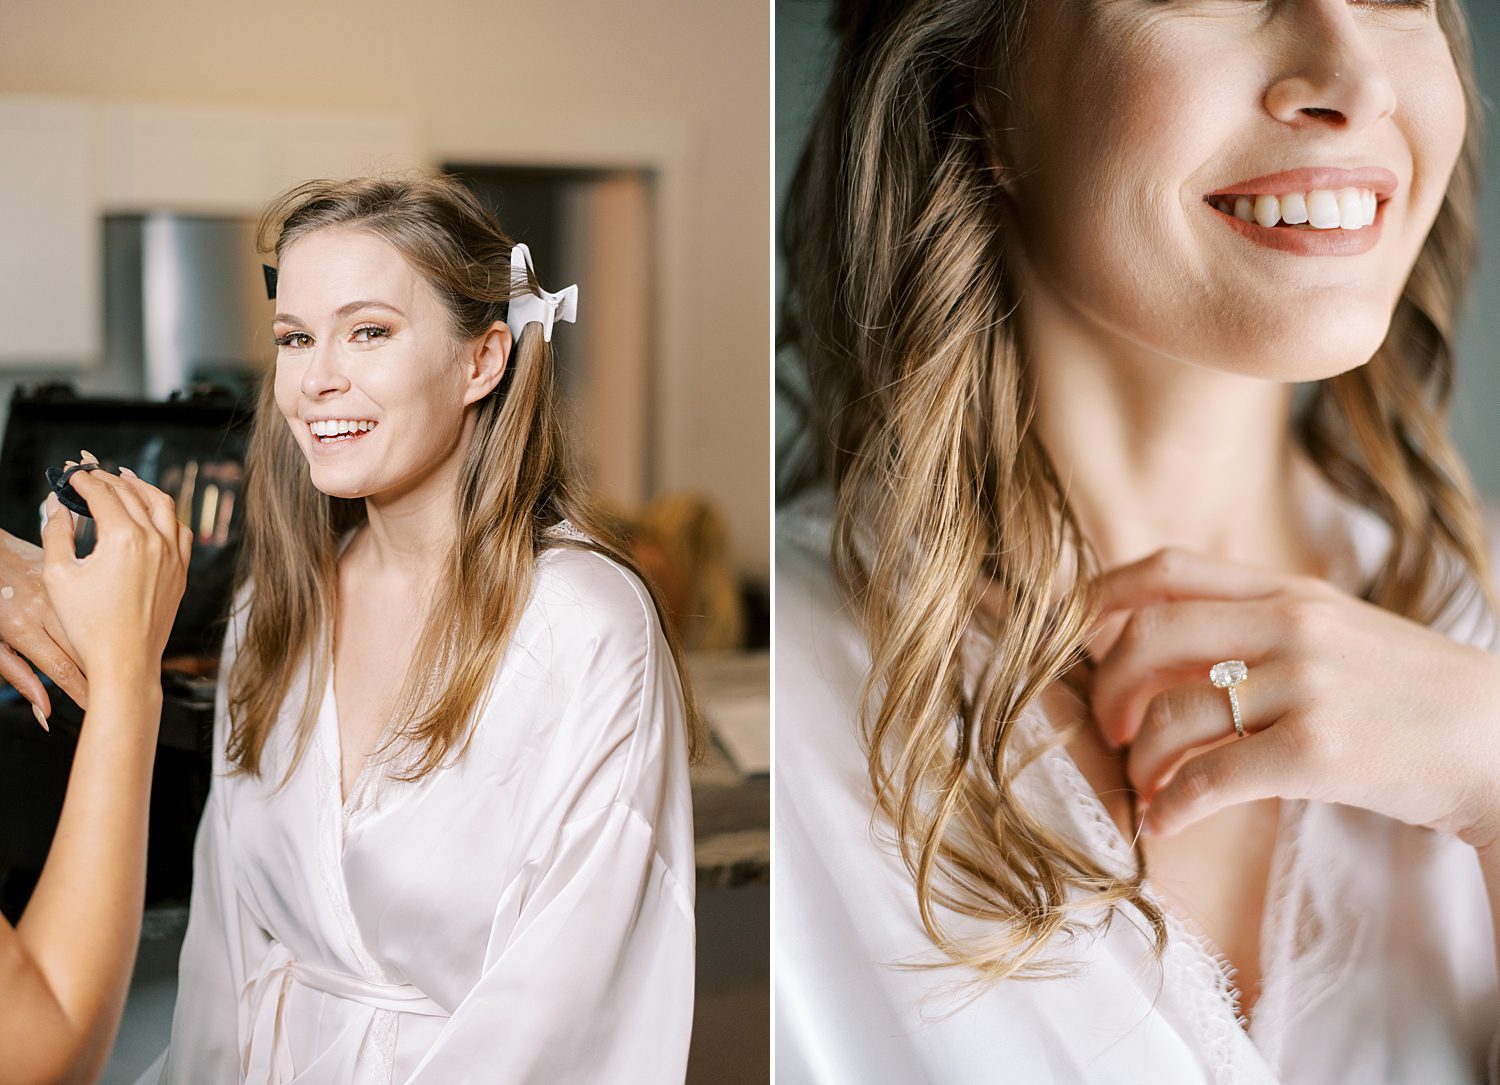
[
  {"x": 1377, "y": 956},
  {"x": 522, "y": 915}
]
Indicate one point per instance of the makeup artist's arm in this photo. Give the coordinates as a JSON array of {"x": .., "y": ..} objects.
[
  {"x": 29, "y": 627},
  {"x": 65, "y": 968}
]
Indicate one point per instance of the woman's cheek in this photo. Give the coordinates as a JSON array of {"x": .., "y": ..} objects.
[{"x": 286, "y": 384}]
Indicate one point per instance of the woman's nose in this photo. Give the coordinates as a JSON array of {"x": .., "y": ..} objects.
[
  {"x": 323, "y": 375},
  {"x": 1331, "y": 76}
]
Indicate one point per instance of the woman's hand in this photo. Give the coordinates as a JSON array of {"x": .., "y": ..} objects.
[
  {"x": 29, "y": 627},
  {"x": 65, "y": 968},
  {"x": 1345, "y": 702},
  {"x": 117, "y": 605}
]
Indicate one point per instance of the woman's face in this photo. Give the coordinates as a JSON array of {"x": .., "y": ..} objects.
[
  {"x": 1142, "y": 110},
  {"x": 368, "y": 374}
]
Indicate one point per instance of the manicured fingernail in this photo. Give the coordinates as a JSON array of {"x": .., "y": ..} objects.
[
  {"x": 89, "y": 457},
  {"x": 70, "y": 463},
  {"x": 40, "y": 718},
  {"x": 52, "y": 503},
  {"x": 128, "y": 473}
]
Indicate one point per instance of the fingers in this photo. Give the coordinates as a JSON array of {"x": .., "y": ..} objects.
[
  {"x": 1188, "y": 717},
  {"x": 1165, "y": 644},
  {"x": 146, "y": 505},
  {"x": 51, "y": 656},
  {"x": 15, "y": 671},
  {"x": 57, "y": 532},
  {"x": 1272, "y": 762},
  {"x": 132, "y": 495},
  {"x": 103, "y": 492},
  {"x": 160, "y": 508},
  {"x": 1171, "y": 573}
]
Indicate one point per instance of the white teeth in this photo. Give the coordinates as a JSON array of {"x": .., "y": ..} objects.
[
  {"x": 1294, "y": 208},
  {"x": 1323, "y": 210},
  {"x": 336, "y": 427},
  {"x": 1351, "y": 209},
  {"x": 1267, "y": 211}
]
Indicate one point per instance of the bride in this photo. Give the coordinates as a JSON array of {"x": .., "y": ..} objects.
[
  {"x": 1136, "y": 715},
  {"x": 449, "y": 836}
]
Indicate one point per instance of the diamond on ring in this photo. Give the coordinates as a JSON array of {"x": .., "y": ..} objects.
[
  {"x": 1229, "y": 673},
  {"x": 1226, "y": 676}
]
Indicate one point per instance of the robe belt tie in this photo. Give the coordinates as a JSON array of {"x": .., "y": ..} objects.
[{"x": 267, "y": 1057}]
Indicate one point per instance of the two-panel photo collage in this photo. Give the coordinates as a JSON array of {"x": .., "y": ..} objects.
[{"x": 826, "y": 542}]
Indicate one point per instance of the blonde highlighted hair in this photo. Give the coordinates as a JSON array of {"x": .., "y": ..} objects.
[
  {"x": 917, "y": 415},
  {"x": 514, "y": 484}
]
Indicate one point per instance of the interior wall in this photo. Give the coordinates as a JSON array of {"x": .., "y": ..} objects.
[{"x": 487, "y": 79}]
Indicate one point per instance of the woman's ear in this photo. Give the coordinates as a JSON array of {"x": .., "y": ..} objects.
[{"x": 486, "y": 360}]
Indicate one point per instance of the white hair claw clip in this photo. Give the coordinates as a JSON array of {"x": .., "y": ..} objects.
[{"x": 539, "y": 307}]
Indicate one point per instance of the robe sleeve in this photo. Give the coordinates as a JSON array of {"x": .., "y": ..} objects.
[
  {"x": 223, "y": 946},
  {"x": 212, "y": 971},
  {"x": 596, "y": 980},
  {"x": 588, "y": 975}
]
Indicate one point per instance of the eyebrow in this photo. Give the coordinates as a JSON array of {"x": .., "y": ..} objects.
[{"x": 343, "y": 311}]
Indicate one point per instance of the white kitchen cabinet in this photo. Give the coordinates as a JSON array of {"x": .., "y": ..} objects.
[
  {"x": 224, "y": 161},
  {"x": 49, "y": 236},
  {"x": 66, "y": 163}
]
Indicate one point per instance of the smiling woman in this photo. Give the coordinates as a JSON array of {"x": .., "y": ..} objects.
[
  {"x": 449, "y": 836},
  {"x": 398, "y": 342},
  {"x": 1135, "y": 722}
]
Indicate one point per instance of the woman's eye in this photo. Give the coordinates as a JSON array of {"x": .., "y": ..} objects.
[
  {"x": 292, "y": 339},
  {"x": 370, "y": 331}
]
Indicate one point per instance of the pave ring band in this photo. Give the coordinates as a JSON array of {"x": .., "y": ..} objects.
[{"x": 1226, "y": 676}]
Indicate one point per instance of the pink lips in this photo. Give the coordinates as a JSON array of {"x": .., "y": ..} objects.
[
  {"x": 1380, "y": 181},
  {"x": 1304, "y": 242}
]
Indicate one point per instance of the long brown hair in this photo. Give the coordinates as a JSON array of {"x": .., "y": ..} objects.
[
  {"x": 899, "y": 309},
  {"x": 515, "y": 483}
]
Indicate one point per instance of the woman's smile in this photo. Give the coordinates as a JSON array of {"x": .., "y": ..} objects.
[
  {"x": 1203, "y": 144},
  {"x": 1312, "y": 211},
  {"x": 1306, "y": 239},
  {"x": 333, "y": 432}
]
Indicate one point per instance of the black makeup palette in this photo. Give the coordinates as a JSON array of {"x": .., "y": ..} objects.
[
  {"x": 58, "y": 481},
  {"x": 192, "y": 448}
]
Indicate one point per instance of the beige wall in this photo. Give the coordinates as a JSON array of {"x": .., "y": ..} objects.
[{"x": 646, "y": 81}]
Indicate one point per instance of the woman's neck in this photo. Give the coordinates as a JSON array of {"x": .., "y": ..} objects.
[
  {"x": 1154, "y": 451},
  {"x": 409, "y": 532}
]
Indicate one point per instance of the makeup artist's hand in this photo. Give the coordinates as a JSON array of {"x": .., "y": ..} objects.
[
  {"x": 1345, "y": 702},
  {"x": 116, "y": 605},
  {"x": 29, "y": 627}
]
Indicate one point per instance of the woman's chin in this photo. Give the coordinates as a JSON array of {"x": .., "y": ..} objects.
[
  {"x": 1306, "y": 367},
  {"x": 331, "y": 486},
  {"x": 1294, "y": 354}
]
